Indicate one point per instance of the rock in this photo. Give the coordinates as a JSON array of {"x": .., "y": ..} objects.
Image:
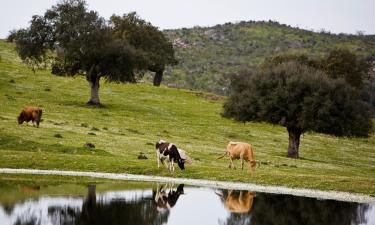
[
  {"x": 142, "y": 156},
  {"x": 89, "y": 145},
  {"x": 57, "y": 136}
]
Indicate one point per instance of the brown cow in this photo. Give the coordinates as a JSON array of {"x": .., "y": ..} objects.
[
  {"x": 242, "y": 151},
  {"x": 30, "y": 113}
]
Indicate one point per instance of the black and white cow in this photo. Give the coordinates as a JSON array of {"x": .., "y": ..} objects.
[{"x": 168, "y": 151}]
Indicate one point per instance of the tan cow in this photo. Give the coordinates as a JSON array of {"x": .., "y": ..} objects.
[{"x": 242, "y": 151}]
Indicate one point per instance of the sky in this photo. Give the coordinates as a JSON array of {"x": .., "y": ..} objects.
[{"x": 336, "y": 16}]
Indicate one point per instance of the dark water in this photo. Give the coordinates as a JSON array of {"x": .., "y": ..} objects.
[{"x": 169, "y": 204}]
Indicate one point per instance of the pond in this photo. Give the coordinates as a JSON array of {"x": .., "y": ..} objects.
[{"x": 151, "y": 203}]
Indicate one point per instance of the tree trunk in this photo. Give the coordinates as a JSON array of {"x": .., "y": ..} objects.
[
  {"x": 294, "y": 137},
  {"x": 93, "y": 80},
  {"x": 94, "y": 100},
  {"x": 158, "y": 78}
]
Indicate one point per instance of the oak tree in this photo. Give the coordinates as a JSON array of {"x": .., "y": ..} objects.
[{"x": 300, "y": 98}]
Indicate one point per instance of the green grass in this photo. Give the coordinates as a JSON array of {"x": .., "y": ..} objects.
[{"x": 135, "y": 116}]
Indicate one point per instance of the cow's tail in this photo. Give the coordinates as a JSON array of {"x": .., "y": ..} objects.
[{"x": 222, "y": 155}]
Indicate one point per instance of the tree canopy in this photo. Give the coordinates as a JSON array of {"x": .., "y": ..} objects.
[
  {"x": 147, "y": 39},
  {"x": 78, "y": 41},
  {"x": 300, "y": 98},
  {"x": 342, "y": 63},
  {"x": 337, "y": 63}
]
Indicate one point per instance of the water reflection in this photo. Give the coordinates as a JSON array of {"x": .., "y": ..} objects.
[
  {"x": 177, "y": 204},
  {"x": 237, "y": 201},
  {"x": 165, "y": 197},
  {"x": 292, "y": 210}
]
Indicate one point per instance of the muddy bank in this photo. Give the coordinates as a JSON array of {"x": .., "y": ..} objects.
[{"x": 334, "y": 195}]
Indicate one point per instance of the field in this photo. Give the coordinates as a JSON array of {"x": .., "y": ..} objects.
[{"x": 135, "y": 116}]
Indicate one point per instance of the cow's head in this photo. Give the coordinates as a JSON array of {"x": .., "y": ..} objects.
[
  {"x": 20, "y": 118},
  {"x": 181, "y": 164}
]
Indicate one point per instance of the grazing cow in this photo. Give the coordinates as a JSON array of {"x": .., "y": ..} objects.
[
  {"x": 164, "y": 200},
  {"x": 242, "y": 151},
  {"x": 30, "y": 113},
  {"x": 237, "y": 201},
  {"x": 169, "y": 151}
]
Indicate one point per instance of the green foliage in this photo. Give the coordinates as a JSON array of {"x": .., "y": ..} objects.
[
  {"x": 278, "y": 59},
  {"x": 12, "y": 36},
  {"x": 301, "y": 98},
  {"x": 145, "y": 37},
  {"x": 342, "y": 63},
  {"x": 156, "y": 49}
]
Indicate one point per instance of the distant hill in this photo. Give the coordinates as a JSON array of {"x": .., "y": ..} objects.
[{"x": 207, "y": 55}]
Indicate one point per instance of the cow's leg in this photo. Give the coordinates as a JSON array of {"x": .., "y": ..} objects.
[
  {"x": 231, "y": 161},
  {"x": 158, "y": 158},
  {"x": 242, "y": 161}
]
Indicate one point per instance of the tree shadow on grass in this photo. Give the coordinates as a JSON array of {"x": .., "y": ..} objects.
[
  {"x": 19, "y": 144},
  {"x": 311, "y": 160},
  {"x": 83, "y": 104}
]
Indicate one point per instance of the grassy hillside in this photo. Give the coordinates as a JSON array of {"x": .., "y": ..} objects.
[
  {"x": 135, "y": 116},
  {"x": 207, "y": 55}
]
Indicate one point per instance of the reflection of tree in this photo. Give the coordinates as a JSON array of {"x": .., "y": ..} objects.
[
  {"x": 118, "y": 211},
  {"x": 271, "y": 209},
  {"x": 142, "y": 210},
  {"x": 62, "y": 215},
  {"x": 28, "y": 221},
  {"x": 135, "y": 211}
]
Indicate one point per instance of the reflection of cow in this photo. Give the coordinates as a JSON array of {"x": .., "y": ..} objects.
[
  {"x": 164, "y": 200},
  {"x": 237, "y": 201},
  {"x": 29, "y": 189}
]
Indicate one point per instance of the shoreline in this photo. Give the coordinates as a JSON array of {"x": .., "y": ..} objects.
[{"x": 302, "y": 192}]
